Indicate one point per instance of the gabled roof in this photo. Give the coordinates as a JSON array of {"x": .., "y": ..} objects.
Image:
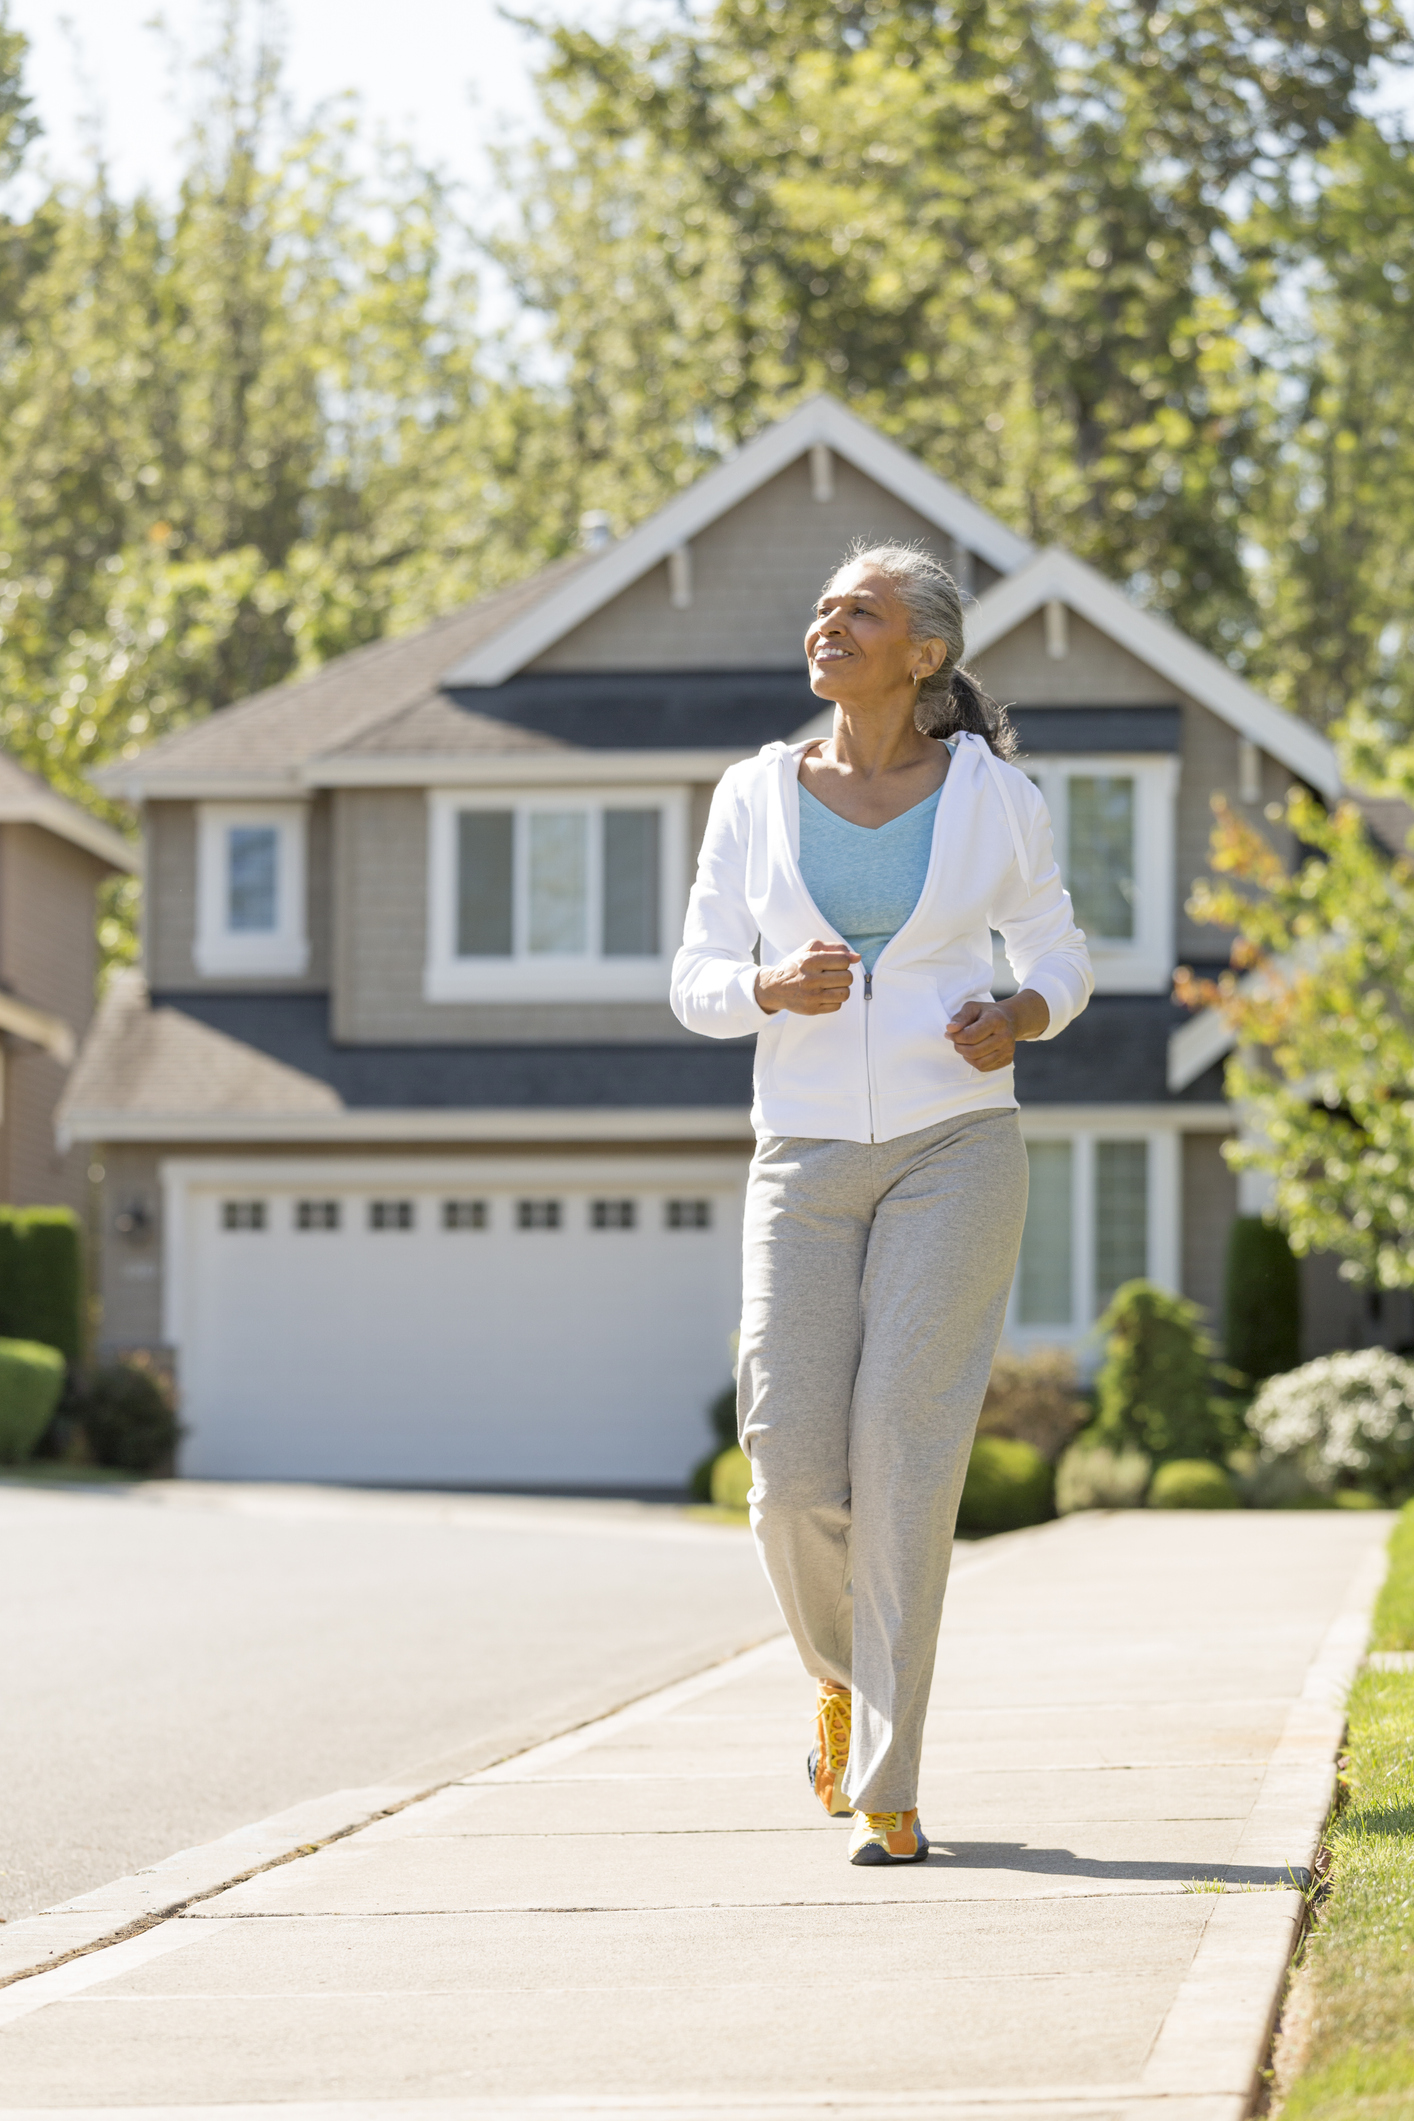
[
  {"x": 821, "y": 419},
  {"x": 25, "y": 799},
  {"x": 1057, "y": 576}
]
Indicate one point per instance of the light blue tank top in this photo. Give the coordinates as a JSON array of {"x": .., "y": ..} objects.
[{"x": 865, "y": 879}]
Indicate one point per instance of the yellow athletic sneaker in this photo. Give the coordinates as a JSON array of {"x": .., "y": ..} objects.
[
  {"x": 828, "y": 1757},
  {"x": 887, "y": 1837}
]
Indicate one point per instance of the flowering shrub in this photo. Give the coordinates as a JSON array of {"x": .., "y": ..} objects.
[{"x": 1346, "y": 1420}]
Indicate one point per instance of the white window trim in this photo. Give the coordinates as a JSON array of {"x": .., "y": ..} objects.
[
  {"x": 1145, "y": 965},
  {"x": 587, "y": 977},
  {"x": 1164, "y": 1233},
  {"x": 220, "y": 952}
]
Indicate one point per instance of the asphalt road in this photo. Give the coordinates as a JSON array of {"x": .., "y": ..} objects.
[{"x": 181, "y": 1659}]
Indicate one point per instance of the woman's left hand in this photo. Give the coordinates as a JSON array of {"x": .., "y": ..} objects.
[{"x": 986, "y": 1033}]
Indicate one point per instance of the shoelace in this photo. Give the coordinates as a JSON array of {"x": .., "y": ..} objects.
[
  {"x": 834, "y": 1726},
  {"x": 884, "y": 1822}
]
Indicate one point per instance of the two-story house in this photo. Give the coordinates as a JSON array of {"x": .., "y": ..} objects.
[
  {"x": 407, "y": 1159},
  {"x": 53, "y": 857}
]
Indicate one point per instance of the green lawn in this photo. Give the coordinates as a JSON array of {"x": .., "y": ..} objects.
[{"x": 1347, "y": 2050}]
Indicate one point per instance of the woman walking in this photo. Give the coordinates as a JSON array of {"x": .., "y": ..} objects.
[{"x": 888, "y": 1189}]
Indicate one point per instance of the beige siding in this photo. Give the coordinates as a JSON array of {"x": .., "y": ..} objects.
[
  {"x": 380, "y": 869},
  {"x": 755, "y": 575},
  {"x": 48, "y": 957},
  {"x": 1210, "y": 753},
  {"x": 169, "y": 915},
  {"x": 1209, "y": 1205},
  {"x": 1096, "y": 672},
  {"x": 130, "y": 1268}
]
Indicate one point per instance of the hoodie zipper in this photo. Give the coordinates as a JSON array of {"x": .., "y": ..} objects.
[{"x": 868, "y": 1073}]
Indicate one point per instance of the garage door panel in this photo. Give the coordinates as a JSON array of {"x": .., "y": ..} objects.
[{"x": 570, "y": 1356}]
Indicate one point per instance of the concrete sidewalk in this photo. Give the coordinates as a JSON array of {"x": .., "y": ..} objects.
[{"x": 651, "y": 1916}]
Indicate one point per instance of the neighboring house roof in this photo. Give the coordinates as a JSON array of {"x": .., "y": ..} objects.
[
  {"x": 1056, "y": 576},
  {"x": 26, "y": 799},
  {"x": 233, "y": 1067}
]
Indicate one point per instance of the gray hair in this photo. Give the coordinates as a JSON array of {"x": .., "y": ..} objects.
[{"x": 951, "y": 699}]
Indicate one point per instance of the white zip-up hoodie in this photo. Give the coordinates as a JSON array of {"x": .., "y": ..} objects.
[{"x": 880, "y": 1066}]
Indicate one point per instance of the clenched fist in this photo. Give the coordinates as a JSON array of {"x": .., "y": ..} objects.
[{"x": 814, "y": 981}]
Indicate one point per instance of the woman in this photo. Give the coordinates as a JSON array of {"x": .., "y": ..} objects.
[{"x": 887, "y": 1193}]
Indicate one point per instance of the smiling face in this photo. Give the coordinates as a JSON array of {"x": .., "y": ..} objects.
[{"x": 858, "y": 645}]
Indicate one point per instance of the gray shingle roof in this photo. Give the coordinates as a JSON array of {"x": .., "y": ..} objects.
[{"x": 271, "y": 735}]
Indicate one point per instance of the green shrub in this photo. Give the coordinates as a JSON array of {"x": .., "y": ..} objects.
[
  {"x": 1090, "y": 1476},
  {"x": 1262, "y": 1300},
  {"x": 731, "y": 1477},
  {"x": 31, "y": 1380},
  {"x": 1008, "y": 1484},
  {"x": 721, "y": 1419},
  {"x": 1154, "y": 1392},
  {"x": 1193, "y": 1484},
  {"x": 127, "y": 1419},
  {"x": 1034, "y": 1399},
  {"x": 41, "y": 1278},
  {"x": 1341, "y": 1422}
]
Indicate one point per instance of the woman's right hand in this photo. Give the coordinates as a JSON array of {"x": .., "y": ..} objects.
[{"x": 815, "y": 981}]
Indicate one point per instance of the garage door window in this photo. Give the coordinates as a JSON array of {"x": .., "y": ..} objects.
[
  {"x": 316, "y": 1215},
  {"x": 613, "y": 1214},
  {"x": 242, "y": 1215},
  {"x": 538, "y": 1214},
  {"x": 390, "y": 1215},
  {"x": 688, "y": 1214},
  {"x": 466, "y": 1215}
]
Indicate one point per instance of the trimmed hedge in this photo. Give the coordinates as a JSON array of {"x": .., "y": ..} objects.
[
  {"x": 1008, "y": 1485},
  {"x": 31, "y": 1380},
  {"x": 41, "y": 1278},
  {"x": 1192, "y": 1484},
  {"x": 1262, "y": 1300}
]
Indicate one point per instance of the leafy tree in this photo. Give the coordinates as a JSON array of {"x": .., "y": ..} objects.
[
  {"x": 1321, "y": 999},
  {"x": 1021, "y": 236},
  {"x": 246, "y": 433}
]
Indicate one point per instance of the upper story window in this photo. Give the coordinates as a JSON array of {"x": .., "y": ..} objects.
[
  {"x": 250, "y": 894},
  {"x": 554, "y": 896},
  {"x": 1113, "y": 819}
]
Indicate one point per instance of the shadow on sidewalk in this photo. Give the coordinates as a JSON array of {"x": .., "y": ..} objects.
[{"x": 1064, "y": 1863}]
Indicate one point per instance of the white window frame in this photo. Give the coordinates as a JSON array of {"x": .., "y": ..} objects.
[
  {"x": 222, "y": 952},
  {"x": 583, "y": 976},
  {"x": 1145, "y": 964},
  {"x": 1163, "y": 1234}
]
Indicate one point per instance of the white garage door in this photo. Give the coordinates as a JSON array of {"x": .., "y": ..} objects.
[{"x": 433, "y": 1323}]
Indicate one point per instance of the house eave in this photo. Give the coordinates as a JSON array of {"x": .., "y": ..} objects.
[
  {"x": 492, "y": 1124},
  {"x": 515, "y": 768},
  {"x": 67, "y": 822}
]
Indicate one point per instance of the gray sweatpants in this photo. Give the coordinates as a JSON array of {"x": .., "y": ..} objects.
[{"x": 875, "y": 1285}]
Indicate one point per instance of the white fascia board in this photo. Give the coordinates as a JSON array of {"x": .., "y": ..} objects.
[
  {"x": 1157, "y": 642},
  {"x": 1197, "y": 1046},
  {"x": 820, "y": 419},
  {"x": 523, "y": 769},
  {"x": 138, "y": 787},
  {"x": 465, "y": 1124},
  {"x": 67, "y": 822}
]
